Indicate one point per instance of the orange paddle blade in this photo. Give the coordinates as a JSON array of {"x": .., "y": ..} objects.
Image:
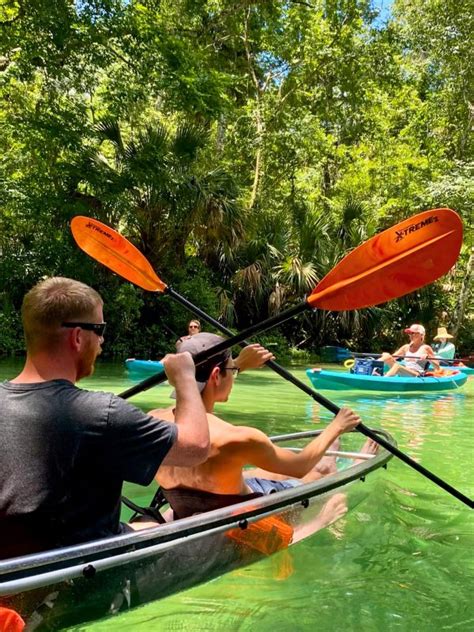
[
  {"x": 397, "y": 261},
  {"x": 115, "y": 252}
]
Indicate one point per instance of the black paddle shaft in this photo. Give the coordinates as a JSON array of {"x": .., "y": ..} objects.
[
  {"x": 239, "y": 339},
  {"x": 271, "y": 363},
  {"x": 199, "y": 358},
  {"x": 416, "y": 466}
]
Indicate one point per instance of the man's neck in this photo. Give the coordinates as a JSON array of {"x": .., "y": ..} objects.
[
  {"x": 208, "y": 400},
  {"x": 43, "y": 367}
]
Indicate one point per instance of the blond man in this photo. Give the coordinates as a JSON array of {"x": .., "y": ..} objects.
[{"x": 66, "y": 451}]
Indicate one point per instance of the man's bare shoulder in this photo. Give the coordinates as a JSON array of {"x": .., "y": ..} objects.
[
  {"x": 228, "y": 435},
  {"x": 167, "y": 414}
]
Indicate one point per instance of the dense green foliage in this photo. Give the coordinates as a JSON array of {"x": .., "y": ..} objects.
[{"x": 243, "y": 146}]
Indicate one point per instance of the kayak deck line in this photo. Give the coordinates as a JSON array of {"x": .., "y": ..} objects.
[
  {"x": 343, "y": 455},
  {"x": 350, "y": 455}
]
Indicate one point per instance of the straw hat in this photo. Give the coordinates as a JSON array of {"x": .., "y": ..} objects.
[{"x": 442, "y": 333}]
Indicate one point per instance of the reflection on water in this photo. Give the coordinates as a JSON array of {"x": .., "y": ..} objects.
[{"x": 400, "y": 560}]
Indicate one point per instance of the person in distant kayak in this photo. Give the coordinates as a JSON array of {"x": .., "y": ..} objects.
[
  {"x": 65, "y": 452},
  {"x": 444, "y": 348},
  {"x": 417, "y": 355},
  {"x": 194, "y": 327},
  {"x": 251, "y": 357},
  {"x": 221, "y": 481}
]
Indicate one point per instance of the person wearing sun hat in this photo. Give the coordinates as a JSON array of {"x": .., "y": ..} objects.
[
  {"x": 416, "y": 352},
  {"x": 444, "y": 348}
]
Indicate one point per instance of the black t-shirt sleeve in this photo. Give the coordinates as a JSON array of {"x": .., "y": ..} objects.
[{"x": 137, "y": 442}]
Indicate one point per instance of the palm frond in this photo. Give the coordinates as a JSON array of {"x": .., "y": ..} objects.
[
  {"x": 226, "y": 306},
  {"x": 188, "y": 140},
  {"x": 109, "y": 129},
  {"x": 277, "y": 299},
  {"x": 249, "y": 281},
  {"x": 297, "y": 275}
]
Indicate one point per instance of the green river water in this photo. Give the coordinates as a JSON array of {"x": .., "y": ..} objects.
[{"x": 401, "y": 560}]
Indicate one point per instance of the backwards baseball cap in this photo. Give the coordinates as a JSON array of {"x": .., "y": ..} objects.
[
  {"x": 196, "y": 344},
  {"x": 415, "y": 329}
]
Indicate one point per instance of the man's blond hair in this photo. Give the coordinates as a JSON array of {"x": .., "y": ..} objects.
[{"x": 50, "y": 303}]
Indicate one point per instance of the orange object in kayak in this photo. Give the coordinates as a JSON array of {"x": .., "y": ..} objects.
[
  {"x": 10, "y": 621},
  {"x": 266, "y": 536}
]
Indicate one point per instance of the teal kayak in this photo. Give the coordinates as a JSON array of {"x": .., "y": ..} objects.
[
  {"x": 143, "y": 367},
  {"x": 467, "y": 370},
  {"x": 340, "y": 381}
]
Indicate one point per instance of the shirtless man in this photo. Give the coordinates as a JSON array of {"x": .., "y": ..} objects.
[
  {"x": 220, "y": 481},
  {"x": 416, "y": 352}
]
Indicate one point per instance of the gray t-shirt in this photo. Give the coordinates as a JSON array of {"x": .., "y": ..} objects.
[{"x": 64, "y": 455}]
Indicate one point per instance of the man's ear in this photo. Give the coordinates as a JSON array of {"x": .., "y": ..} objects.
[
  {"x": 75, "y": 338},
  {"x": 215, "y": 375}
]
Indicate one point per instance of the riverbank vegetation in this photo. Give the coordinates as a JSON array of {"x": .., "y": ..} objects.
[{"x": 244, "y": 147}]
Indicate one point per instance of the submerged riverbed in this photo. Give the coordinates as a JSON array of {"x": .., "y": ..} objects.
[{"x": 401, "y": 560}]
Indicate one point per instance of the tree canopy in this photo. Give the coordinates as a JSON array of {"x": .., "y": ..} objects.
[{"x": 243, "y": 146}]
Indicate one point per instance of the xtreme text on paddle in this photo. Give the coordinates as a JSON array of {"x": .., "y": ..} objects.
[{"x": 414, "y": 227}]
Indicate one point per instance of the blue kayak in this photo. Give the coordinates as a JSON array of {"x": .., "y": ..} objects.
[
  {"x": 143, "y": 367},
  {"x": 331, "y": 353},
  {"x": 340, "y": 381}
]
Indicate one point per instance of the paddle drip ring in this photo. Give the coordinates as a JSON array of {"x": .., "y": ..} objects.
[{"x": 349, "y": 363}]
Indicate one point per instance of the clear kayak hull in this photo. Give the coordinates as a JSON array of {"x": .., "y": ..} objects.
[{"x": 65, "y": 587}]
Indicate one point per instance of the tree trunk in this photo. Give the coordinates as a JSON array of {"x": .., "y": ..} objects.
[
  {"x": 463, "y": 296},
  {"x": 259, "y": 122}
]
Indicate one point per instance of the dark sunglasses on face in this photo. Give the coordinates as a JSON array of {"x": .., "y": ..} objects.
[
  {"x": 97, "y": 328},
  {"x": 193, "y": 327}
]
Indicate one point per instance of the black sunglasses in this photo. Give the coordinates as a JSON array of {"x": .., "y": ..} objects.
[
  {"x": 97, "y": 328},
  {"x": 230, "y": 368}
]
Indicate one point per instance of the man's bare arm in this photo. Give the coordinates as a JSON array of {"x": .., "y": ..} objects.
[
  {"x": 257, "y": 449},
  {"x": 402, "y": 351},
  {"x": 192, "y": 443}
]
